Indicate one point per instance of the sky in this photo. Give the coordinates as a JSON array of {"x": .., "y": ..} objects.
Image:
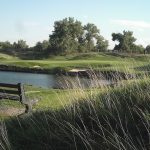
[{"x": 33, "y": 20}]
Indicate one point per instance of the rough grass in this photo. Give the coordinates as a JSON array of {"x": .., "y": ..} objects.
[{"x": 117, "y": 119}]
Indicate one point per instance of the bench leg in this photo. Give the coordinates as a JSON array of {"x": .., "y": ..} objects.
[{"x": 28, "y": 108}]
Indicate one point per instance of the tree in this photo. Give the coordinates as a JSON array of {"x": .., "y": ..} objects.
[
  {"x": 41, "y": 46},
  {"x": 38, "y": 47},
  {"x": 138, "y": 49},
  {"x": 91, "y": 33},
  {"x": 101, "y": 44},
  {"x": 66, "y": 35},
  {"x": 147, "y": 50},
  {"x": 45, "y": 44},
  {"x": 5, "y": 45},
  {"x": 21, "y": 44},
  {"x": 126, "y": 41},
  {"x": 70, "y": 36}
]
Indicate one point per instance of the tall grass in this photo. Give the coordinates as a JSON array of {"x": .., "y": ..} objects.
[
  {"x": 116, "y": 119},
  {"x": 4, "y": 143}
]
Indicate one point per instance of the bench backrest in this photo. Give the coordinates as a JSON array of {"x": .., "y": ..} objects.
[{"x": 12, "y": 92}]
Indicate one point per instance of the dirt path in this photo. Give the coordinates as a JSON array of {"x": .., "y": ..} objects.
[{"x": 11, "y": 111}]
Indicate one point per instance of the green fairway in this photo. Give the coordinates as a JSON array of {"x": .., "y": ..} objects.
[{"x": 98, "y": 61}]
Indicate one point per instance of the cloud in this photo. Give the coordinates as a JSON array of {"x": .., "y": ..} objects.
[
  {"x": 23, "y": 26},
  {"x": 132, "y": 24},
  {"x": 31, "y": 24}
]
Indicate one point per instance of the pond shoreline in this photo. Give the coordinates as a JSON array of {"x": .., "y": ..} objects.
[
  {"x": 109, "y": 74},
  {"x": 13, "y": 68},
  {"x": 36, "y": 70}
]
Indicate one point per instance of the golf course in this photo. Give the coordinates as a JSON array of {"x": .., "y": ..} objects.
[{"x": 74, "y": 75}]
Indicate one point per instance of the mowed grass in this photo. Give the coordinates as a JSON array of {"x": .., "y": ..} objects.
[
  {"x": 49, "y": 99},
  {"x": 99, "y": 61},
  {"x": 54, "y": 98}
]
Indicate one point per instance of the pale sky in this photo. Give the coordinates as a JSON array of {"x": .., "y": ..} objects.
[{"x": 33, "y": 20}]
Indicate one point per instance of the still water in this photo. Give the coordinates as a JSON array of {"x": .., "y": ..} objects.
[{"x": 49, "y": 81}]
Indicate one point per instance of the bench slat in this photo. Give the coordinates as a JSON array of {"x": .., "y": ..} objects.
[
  {"x": 5, "y": 91},
  {"x": 9, "y": 97},
  {"x": 9, "y": 85}
]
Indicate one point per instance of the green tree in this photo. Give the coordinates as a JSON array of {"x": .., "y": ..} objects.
[
  {"x": 5, "y": 45},
  {"x": 38, "y": 47},
  {"x": 91, "y": 33},
  {"x": 21, "y": 44},
  {"x": 45, "y": 44},
  {"x": 15, "y": 45},
  {"x": 70, "y": 36},
  {"x": 66, "y": 35},
  {"x": 138, "y": 49},
  {"x": 126, "y": 41},
  {"x": 102, "y": 44},
  {"x": 147, "y": 49},
  {"x": 41, "y": 46}
]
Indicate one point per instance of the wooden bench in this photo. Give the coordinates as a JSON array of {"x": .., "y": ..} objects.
[{"x": 15, "y": 92}]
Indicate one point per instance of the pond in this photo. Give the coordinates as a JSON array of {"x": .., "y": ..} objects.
[{"x": 49, "y": 81}]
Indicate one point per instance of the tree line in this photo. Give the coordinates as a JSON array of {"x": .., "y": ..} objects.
[{"x": 71, "y": 36}]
